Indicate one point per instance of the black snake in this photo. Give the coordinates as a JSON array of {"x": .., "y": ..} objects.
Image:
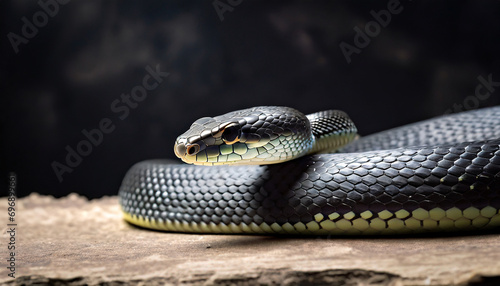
[{"x": 441, "y": 174}]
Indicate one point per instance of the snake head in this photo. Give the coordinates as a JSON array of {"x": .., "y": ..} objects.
[{"x": 259, "y": 135}]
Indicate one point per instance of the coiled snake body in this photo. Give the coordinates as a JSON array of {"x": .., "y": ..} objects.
[{"x": 441, "y": 174}]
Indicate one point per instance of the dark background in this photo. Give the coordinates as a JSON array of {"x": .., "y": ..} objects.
[{"x": 65, "y": 78}]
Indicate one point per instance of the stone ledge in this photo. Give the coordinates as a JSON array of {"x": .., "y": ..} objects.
[{"x": 72, "y": 241}]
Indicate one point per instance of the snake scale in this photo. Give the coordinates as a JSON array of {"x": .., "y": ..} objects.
[{"x": 273, "y": 172}]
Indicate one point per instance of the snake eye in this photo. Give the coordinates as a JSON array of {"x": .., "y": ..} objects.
[
  {"x": 231, "y": 134},
  {"x": 192, "y": 149}
]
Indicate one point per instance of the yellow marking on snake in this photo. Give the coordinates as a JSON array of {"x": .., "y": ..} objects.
[
  {"x": 400, "y": 214},
  {"x": 397, "y": 222},
  {"x": 385, "y": 214},
  {"x": 488, "y": 212},
  {"x": 240, "y": 148},
  {"x": 471, "y": 212},
  {"x": 437, "y": 214},
  {"x": 365, "y": 215},
  {"x": 454, "y": 213},
  {"x": 226, "y": 149},
  {"x": 328, "y": 225},
  {"x": 318, "y": 217},
  {"x": 360, "y": 224},
  {"x": 349, "y": 215}
]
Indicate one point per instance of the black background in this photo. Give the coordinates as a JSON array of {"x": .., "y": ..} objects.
[{"x": 65, "y": 78}]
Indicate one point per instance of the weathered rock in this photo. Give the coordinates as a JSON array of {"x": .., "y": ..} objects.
[{"x": 72, "y": 241}]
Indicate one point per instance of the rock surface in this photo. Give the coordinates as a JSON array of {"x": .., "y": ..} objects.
[{"x": 72, "y": 241}]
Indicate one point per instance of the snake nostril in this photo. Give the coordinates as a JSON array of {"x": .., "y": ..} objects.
[{"x": 192, "y": 149}]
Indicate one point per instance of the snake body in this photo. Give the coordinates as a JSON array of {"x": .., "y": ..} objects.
[{"x": 441, "y": 174}]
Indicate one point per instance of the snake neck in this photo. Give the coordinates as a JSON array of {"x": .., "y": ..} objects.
[
  {"x": 331, "y": 143},
  {"x": 331, "y": 130}
]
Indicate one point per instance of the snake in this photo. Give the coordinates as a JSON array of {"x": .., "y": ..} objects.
[{"x": 274, "y": 170}]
